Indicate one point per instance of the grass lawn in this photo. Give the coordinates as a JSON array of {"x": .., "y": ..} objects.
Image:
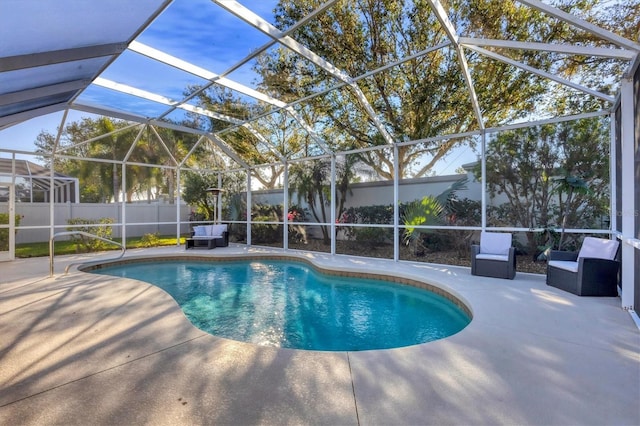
[{"x": 71, "y": 247}]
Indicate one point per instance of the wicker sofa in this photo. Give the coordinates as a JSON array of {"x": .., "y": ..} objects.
[{"x": 209, "y": 236}]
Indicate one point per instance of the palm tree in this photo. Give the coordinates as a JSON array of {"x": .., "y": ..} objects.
[
  {"x": 424, "y": 212},
  {"x": 309, "y": 184},
  {"x": 427, "y": 212}
]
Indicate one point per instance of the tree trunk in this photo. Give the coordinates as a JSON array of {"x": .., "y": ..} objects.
[
  {"x": 116, "y": 186},
  {"x": 565, "y": 213},
  {"x": 170, "y": 187}
]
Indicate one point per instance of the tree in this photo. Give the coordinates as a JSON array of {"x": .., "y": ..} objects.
[
  {"x": 195, "y": 192},
  {"x": 310, "y": 182},
  {"x": 426, "y": 96},
  {"x": 522, "y": 165},
  {"x": 427, "y": 211},
  {"x": 571, "y": 185},
  {"x": 96, "y": 179},
  {"x": 277, "y": 138},
  {"x": 424, "y": 212},
  {"x": 99, "y": 181},
  {"x": 172, "y": 145}
]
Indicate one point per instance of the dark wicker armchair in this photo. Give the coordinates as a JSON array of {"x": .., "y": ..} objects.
[
  {"x": 494, "y": 257},
  {"x": 591, "y": 272}
]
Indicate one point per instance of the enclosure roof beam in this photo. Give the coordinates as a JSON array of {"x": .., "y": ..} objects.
[
  {"x": 214, "y": 78},
  {"x": 31, "y": 60},
  {"x": 42, "y": 92},
  {"x": 202, "y": 73},
  {"x": 542, "y": 73},
  {"x": 164, "y": 145},
  {"x": 10, "y": 120},
  {"x": 265, "y": 27},
  {"x": 123, "y": 88},
  {"x": 133, "y": 145},
  {"x": 581, "y": 23},
  {"x": 129, "y": 90},
  {"x": 217, "y": 79},
  {"x": 551, "y": 47},
  {"x": 264, "y": 140},
  {"x": 227, "y": 150},
  {"x": 450, "y": 30},
  {"x": 97, "y": 138}
]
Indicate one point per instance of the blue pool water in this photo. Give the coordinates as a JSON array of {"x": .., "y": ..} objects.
[{"x": 291, "y": 305}]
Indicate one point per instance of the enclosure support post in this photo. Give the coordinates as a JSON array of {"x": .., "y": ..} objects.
[
  {"x": 123, "y": 218},
  {"x": 628, "y": 181},
  {"x": 12, "y": 209},
  {"x": 219, "y": 200},
  {"x": 483, "y": 171},
  {"x": 613, "y": 178},
  {"x": 396, "y": 207},
  {"x": 248, "y": 218},
  {"x": 177, "y": 189},
  {"x": 51, "y": 199},
  {"x": 285, "y": 207},
  {"x": 332, "y": 214}
]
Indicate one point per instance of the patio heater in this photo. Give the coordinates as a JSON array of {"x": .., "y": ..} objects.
[{"x": 215, "y": 192}]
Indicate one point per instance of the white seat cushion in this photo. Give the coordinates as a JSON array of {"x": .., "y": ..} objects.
[
  {"x": 598, "y": 248},
  {"x": 216, "y": 230},
  {"x": 199, "y": 231},
  {"x": 501, "y": 257},
  {"x": 495, "y": 243},
  {"x": 567, "y": 265}
]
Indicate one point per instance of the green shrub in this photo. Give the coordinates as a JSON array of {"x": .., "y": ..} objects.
[
  {"x": 381, "y": 214},
  {"x": 100, "y": 228},
  {"x": 267, "y": 232},
  {"x": 4, "y": 232},
  {"x": 372, "y": 235},
  {"x": 150, "y": 240}
]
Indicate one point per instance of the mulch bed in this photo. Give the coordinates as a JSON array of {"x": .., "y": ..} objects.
[{"x": 385, "y": 251}]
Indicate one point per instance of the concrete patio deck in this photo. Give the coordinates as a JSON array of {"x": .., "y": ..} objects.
[{"x": 92, "y": 349}]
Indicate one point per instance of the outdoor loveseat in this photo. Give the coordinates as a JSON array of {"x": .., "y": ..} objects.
[
  {"x": 591, "y": 272},
  {"x": 209, "y": 236}
]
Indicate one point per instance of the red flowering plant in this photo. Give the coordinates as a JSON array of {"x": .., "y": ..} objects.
[
  {"x": 347, "y": 216},
  {"x": 297, "y": 233},
  {"x": 296, "y": 214}
]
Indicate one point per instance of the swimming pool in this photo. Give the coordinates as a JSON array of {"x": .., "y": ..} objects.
[{"x": 291, "y": 304}]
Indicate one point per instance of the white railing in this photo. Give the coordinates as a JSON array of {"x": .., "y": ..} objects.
[{"x": 86, "y": 234}]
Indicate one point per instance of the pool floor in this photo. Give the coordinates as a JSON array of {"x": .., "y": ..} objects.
[
  {"x": 86, "y": 348},
  {"x": 291, "y": 304}
]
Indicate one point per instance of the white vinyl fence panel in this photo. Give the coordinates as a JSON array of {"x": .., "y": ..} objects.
[{"x": 141, "y": 218}]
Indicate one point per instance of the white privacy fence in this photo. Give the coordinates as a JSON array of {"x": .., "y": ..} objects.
[
  {"x": 145, "y": 218},
  {"x": 141, "y": 218}
]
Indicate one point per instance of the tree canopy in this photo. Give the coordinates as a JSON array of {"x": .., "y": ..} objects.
[{"x": 527, "y": 171}]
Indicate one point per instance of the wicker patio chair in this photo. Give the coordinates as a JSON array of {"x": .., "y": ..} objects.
[
  {"x": 591, "y": 272},
  {"x": 494, "y": 257}
]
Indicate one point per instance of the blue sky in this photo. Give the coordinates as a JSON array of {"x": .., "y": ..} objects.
[{"x": 196, "y": 31}]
